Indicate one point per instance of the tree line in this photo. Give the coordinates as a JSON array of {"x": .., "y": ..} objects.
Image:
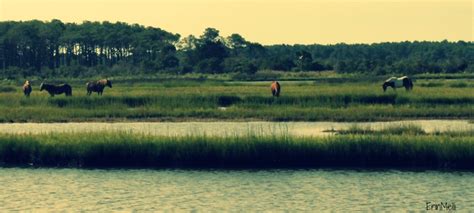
[{"x": 54, "y": 48}]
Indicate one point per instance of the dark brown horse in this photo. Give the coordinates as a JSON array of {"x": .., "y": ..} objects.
[
  {"x": 27, "y": 88},
  {"x": 275, "y": 87},
  {"x": 98, "y": 86},
  {"x": 56, "y": 90}
]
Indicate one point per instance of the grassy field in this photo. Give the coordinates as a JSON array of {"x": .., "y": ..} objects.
[
  {"x": 385, "y": 149},
  {"x": 338, "y": 99}
]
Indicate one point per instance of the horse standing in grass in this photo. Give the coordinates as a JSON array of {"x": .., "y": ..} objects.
[
  {"x": 98, "y": 86},
  {"x": 275, "y": 89},
  {"x": 397, "y": 83},
  {"x": 27, "y": 88},
  {"x": 56, "y": 90}
]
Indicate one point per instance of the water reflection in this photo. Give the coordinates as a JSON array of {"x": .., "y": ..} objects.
[
  {"x": 205, "y": 190},
  {"x": 228, "y": 128}
]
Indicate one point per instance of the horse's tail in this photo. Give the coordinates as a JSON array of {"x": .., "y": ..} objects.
[
  {"x": 275, "y": 88},
  {"x": 407, "y": 83}
]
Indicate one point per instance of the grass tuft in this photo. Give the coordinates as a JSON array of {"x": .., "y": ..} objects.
[{"x": 409, "y": 129}]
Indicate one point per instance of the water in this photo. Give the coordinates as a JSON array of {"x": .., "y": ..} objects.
[
  {"x": 206, "y": 190},
  {"x": 227, "y": 128}
]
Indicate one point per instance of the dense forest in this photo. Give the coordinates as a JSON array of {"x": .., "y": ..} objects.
[{"x": 54, "y": 48}]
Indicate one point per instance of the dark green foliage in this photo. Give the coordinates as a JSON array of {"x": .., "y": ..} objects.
[
  {"x": 404, "y": 57},
  {"x": 37, "y": 47},
  {"x": 52, "y": 49},
  {"x": 7, "y": 89},
  {"x": 240, "y": 65},
  {"x": 459, "y": 85},
  {"x": 226, "y": 101}
]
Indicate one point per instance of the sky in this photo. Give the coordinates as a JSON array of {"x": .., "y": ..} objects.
[{"x": 270, "y": 21}]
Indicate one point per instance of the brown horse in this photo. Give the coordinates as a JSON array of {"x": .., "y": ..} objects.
[
  {"x": 275, "y": 88},
  {"x": 56, "y": 90},
  {"x": 27, "y": 88},
  {"x": 98, "y": 86}
]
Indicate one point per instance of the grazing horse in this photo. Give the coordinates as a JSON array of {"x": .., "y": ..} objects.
[
  {"x": 275, "y": 89},
  {"x": 27, "y": 88},
  {"x": 98, "y": 86},
  {"x": 397, "y": 83},
  {"x": 56, "y": 90}
]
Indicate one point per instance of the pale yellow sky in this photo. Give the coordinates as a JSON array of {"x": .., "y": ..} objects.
[{"x": 272, "y": 21}]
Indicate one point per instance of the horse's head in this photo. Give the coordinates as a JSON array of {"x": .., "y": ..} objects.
[
  {"x": 384, "y": 86},
  {"x": 42, "y": 86},
  {"x": 109, "y": 83},
  {"x": 27, "y": 83}
]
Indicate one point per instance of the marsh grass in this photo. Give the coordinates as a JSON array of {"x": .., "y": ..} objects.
[
  {"x": 403, "y": 129},
  {"x": 6, "y": 89},
  {"x": 431, "y": 84},
  {"x": 112, "y": 149},
  {"x": 459, "y": 85},
  {"x": 196, "y": 100},
  {"x": 408, "y": 129}
]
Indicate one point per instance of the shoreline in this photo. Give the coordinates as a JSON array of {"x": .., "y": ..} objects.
[
  {"x": 229, "y": 128},
  {"x": 183, "y": 120}
]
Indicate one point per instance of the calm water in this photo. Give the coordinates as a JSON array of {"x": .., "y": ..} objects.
[
  {"x": 126, "y": 190},
  {"x": 227, "y": 128}
]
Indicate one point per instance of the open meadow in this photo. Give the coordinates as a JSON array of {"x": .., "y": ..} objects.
[{"x": 196, "y": 100}]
